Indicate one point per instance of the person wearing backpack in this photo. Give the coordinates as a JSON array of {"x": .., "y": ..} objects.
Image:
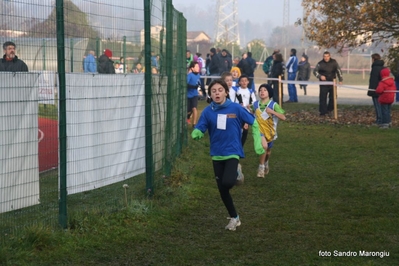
[
  {"x": 267, "y": 65},
  {"x": 278, "y": 69}
]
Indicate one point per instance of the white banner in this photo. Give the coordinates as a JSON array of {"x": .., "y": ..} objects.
[
  {"x": 19, "y": 163},
  {"x": 46, "y": 84},
  {"x": 105, "y": 129}
]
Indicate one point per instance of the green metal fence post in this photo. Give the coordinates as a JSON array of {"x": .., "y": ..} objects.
[
  {"x": 148, "y": 101},
  {"x": 170, "y": 101},
  {"x": 71, "y": 51},
  {"x": 97, "y": 49},
  {"x": 44, "y": 54},
  {"x": 182, "y": 68},
  {"x": 124, "y": 54},
  {"x": 62, "y": 217}
]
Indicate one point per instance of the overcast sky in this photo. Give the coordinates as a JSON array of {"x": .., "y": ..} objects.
[{"x": 257, "y": 11}]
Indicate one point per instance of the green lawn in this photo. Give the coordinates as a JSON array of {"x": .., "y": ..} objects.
[
  {"x": 332, "y": 188},
  {"x": 355, "y": 78}
]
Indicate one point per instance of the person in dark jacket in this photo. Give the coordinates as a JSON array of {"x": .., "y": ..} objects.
[
  {"x": 327, "y": 70},
  {"x": 244, "y": 65},
  {"x": 10, "y": 62},
  {"x": 252, "y": 64},
  {"x": 216, "y": 65},
  {"x": 227, "y": 61},
  {"x": 277, "y": 70},
  {"x": 375, "y": 78},
  {"x": 303, "y": 72},
  {"x": 105, "y": 64}
]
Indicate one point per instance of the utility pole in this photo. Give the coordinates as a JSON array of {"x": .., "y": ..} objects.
[
  {"x": 226, "y": 23},
  {"x": 286, "y": 23}
]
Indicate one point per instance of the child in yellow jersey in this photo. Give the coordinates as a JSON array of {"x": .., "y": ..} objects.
[{"x": 267, "y": 114}]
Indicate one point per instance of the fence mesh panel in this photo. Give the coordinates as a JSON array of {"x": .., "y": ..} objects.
[{"x": 101, "y": 119}]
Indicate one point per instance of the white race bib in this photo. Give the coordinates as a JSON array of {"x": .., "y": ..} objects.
[{"x": 222, "y": 120}]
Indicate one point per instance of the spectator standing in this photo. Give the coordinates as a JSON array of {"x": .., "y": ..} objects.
[
  {"x": 118, "y": 69},
  {"x": 252, "y": 64},
  {"x": 105, "y": 64},
  {"x": 386, "y": 89},
  {"x": 327, "y": 70},
  {"x": 303, "y": 72},
  {"x": 227, "y": 61},
  {"x": 216, "y": 64},
  {"x": 277, "y": 70},
  {"x": 292, "y": 68},
  {"x": 154, "y": 61},
  {"x": 375, "y": 77},
  {"x": 236, "y": 60},
  {"x": 122, "y": 67},
  {"x": 10, "y": 62},
  {"x": 138, "y": 69},
  {"x": 244, "y": 65},
  {"x": 267, "y": 65},
  {"x": 189, "y": 58},
  {"x": 90, "y": 64},
  {"x": 202, "y": 67}
]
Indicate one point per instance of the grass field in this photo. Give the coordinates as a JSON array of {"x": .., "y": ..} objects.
[
  {"x": 355, "y": 78},
  {"x": 332, "y": 189}
]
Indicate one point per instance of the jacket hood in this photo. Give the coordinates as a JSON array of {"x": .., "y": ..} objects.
[
  {"x": 385, "y": 73},
  {"x": 378, "y": 63}
]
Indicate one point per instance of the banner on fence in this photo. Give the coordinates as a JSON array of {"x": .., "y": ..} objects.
[
  {"x": 46, "y": 84},
  {"x": 105, "y": 129},
  {"x": 19, "y": 165}
]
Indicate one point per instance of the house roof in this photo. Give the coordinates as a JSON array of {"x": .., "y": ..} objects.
[{"x": 194, "y": 34}]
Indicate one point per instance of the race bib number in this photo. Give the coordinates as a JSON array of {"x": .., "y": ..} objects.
[{"x": 221, "y": 122}]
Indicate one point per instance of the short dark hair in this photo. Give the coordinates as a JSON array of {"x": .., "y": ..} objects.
[
  {"x": 8, "y": 43},
  {"x": 279, "y": 57},
  {"x": 249, "y": 54},
  {"x": 243, "y": 76},
  {"x": 376, "y": 56},
  {"x": 326, "y": 52},
  {"x": 192, "y": 64}
]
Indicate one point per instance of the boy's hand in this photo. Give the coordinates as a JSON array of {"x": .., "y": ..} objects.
[{"x": 245, "y": 126}]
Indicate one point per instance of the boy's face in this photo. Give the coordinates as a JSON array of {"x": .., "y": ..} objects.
[
  {"x": 195, "y": 68},
  {"x": 229, "y": 81},
  {"x": 243, "y": 83},
  {"x": 263, "y": 93},
  {"x": 218, "y": 93}
]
